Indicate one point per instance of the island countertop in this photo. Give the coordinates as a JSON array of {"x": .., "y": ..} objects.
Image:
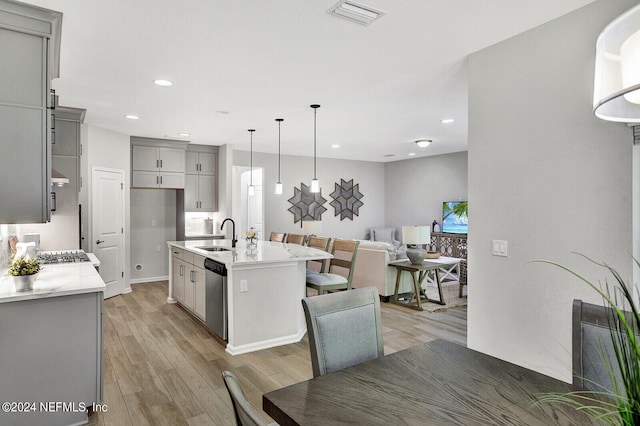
[
  {"x": 263, "y": 252},
  {"x": 55, "y": 280}
]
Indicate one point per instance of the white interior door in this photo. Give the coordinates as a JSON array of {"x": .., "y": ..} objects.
[{"x": 107, "y": 213}]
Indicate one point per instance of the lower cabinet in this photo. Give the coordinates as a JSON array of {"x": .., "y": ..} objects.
[{"x": 188, "y": 281}]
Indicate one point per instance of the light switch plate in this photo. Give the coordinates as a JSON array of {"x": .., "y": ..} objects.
[
  {"x": 499, "y": 248},
  {"x": 243, "y": 286}
]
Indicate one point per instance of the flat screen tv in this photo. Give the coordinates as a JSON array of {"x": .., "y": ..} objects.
[{"x": 454, "y": 217}]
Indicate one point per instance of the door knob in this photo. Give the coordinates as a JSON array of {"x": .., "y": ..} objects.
[{"x": 99, "y": 241}]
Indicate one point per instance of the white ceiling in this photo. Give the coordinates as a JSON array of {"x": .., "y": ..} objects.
[{"x": 240, "y": 64}]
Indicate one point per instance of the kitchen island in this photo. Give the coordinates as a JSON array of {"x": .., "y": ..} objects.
[
  {"x": 51, "y": 346},
  {"x": 264, "y": 288}
]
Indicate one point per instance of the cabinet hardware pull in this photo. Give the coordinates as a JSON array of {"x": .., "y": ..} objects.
[
  {"x": 160, "y": 163},
  {"x": 157, "y": 163},
  {"x": 52, "y": 100},
  {"x": 53, "y": 138},
  {"x": 99, "y": 241},
  {"x": 182, "y": 270},
  {"x": 157, "y": 180},
  {"x": 53, "y": 121},
  {"x": 160, "y": 180},
  {"x": 53, "y": 201}
]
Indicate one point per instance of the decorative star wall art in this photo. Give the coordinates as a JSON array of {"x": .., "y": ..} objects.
[
  {"x": 346, "y": 199},
  {"x": 306, "y": 205}
]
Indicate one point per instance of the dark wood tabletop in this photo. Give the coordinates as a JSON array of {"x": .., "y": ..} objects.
[{"x": 437, "y": 383}]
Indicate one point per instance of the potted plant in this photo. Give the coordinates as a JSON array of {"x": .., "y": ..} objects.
[
  {"x": 624, "y": 324},
  {"x": 251, "y": 237},
  {"x": 24, "y": 272}
]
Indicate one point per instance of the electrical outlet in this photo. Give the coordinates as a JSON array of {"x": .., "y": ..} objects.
[
  {"x": 158, "y": 248},
  {"x": 243, "y": 286},
  {"x": 153, "y": 222},
  {"x": 499, "y": 248}
]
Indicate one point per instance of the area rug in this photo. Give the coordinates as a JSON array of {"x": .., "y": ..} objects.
[{"x": 450, "y": 291}]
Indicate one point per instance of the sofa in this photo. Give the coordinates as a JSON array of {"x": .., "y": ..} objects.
[{"x": 372, "y": 269}]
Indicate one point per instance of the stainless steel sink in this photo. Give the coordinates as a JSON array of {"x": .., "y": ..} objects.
[{"x": 213, "y": 248}]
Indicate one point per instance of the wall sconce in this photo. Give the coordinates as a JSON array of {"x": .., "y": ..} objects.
[{"x": 616, "y": 92}]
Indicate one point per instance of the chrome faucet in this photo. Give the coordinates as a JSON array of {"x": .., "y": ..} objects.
[{"x": 234, "y": 237}]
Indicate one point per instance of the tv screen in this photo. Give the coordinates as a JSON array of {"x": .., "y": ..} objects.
[{"x": 454, "y": 217}]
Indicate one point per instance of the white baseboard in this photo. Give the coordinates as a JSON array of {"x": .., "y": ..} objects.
[
  {"x": 265, "y": 344},
  {"x": 149, "y": 279}
]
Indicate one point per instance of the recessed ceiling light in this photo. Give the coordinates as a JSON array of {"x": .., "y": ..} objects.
[
  {"x": 389, "y": 155},
  {"x": 222, "y": 112},
  {"x": 132, "y": 117},
  {"x": 358, "y": 13},
  {"x": 184, "y": 135},
  {"x": 162, "y": 83},
  {"x": 423, "y": 143},
  {"x": 335, "y": 145},
  {"x": 447, "y": 121},
  {"x": 411, "y": 154}
]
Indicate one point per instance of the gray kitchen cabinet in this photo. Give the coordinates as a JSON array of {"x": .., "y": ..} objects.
[
  {"x": 201, "y": 162},
  {"x": 178, "y": 274},
  {"x": 30, "y": 37},
  {"x": 188, "y": 281},
  {"x": 201, "y": 183},
  {"x": 157, "y": 163},
  {"x": 52, "y": 351},
  {"x": 199, "y": 295}
]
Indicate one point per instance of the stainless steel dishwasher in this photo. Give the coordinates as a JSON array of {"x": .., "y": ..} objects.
[{"x": 216, "y": 297}]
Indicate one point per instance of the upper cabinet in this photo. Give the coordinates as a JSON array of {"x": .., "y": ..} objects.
[
  {"x": 158, "y": 163},
  {"x": 201, "y": 186},
  {"x": 30, "y": 45}
]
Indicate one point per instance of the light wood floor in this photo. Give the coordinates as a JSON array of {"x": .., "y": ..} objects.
[{"x": 162, "y": 368}]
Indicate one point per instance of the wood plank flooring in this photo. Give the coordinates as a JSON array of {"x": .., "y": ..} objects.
[{"x": 161, "y": 367}]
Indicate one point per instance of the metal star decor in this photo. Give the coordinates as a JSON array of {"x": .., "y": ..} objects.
[
  {"x": 346, "y": 199},
  {"x": 306, "y": 205}
]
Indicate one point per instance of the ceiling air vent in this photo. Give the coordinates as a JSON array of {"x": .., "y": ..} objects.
[
  {"x": 636, "y": 135},
  {"x": 358, "y": 13}
]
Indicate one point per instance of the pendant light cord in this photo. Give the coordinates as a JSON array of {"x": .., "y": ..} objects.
[
  {"x": 315, "y": 134},
  {"x": 251, "y": 157},
  {"x": 279, "y": 120}
]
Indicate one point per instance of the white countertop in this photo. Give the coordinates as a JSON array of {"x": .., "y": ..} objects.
[
  {"x": 55, "y": 280},
  {"x": 264, "y": 252}
]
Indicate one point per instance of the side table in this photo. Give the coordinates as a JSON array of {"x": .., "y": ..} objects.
[{"x": 418, "y": 274}]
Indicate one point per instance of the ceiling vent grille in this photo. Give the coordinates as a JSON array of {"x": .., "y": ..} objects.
[
  {"x": 354, "y": 12},
  {"x": 636, "y": 135}
]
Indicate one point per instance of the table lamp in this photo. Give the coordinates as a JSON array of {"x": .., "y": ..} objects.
[
  {"x": 414, "y": 237},
  {"x": 312, "y": 227}
]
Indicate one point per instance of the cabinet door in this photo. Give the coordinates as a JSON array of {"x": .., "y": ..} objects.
[
  {"x": 208, "y": 163},
  {"x": 21, "y": 76},
  {"x": 189, "y": 287},
  {"x": 144, "y": 158},
  {"x": 199, "y": 297},
  {"x": 171, "y": 180},
  {"x": 66, "y": 138},
  {"x": 191, "y": 193},
  {"x": 144, "y": 179},
  {"x": 178, "y": 273},
  {"x": 207, "y": 192},
  {"x": 192, "y": 162},
  {"x": 171, "y": 160}
]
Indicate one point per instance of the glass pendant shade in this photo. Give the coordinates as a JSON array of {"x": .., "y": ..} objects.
[
  {"x": 278, "y": 189},
  {"x": 315, "y": 185},
  {"x": 616, "y": 91}
]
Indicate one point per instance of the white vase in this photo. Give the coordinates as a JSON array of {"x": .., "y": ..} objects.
[{"x": 24, "y": 282}]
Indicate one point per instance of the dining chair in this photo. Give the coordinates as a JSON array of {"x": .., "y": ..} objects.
[
  {"x": 244, "y": 412},
  {"x": 277, "y": 237},
  {"x": 593, "y": 353},
  {"x": 295, "y": 239},
  {"x": 344, "y": 329},
  {"x": 344, "y": 256},
  {"x": 320, "y": 243}
]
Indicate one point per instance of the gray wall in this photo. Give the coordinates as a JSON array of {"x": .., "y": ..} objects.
[
  {"x": 416, "y": 188},
  {"x": 550, "y": 178},
  {"x": 153, "y": 223},
  {"x": 295, "y": 169}
]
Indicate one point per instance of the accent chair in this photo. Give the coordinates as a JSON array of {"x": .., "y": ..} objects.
[
  {"x": 344, "y": 329},
  {"x": 277, "y": 237},
  {"x": 295, "y": 239}
]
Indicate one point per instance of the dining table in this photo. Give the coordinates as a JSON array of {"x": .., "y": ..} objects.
[{"x": 435, "y": 383}]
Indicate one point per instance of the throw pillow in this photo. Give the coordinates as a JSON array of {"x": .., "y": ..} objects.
[{"x": 383, "y": 234}]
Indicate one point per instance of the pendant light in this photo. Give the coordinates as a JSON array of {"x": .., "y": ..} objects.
[
  {"x": 278, "y": 190},
  {"x": 315, "y": 184},
  {"x": 251, "y": 190}
]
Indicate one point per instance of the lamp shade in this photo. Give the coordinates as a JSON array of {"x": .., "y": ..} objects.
[
  {"x": 416, "y": 234},
  {"x": 312, "y": 227},
  {"x": 616, "y": 91}
]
